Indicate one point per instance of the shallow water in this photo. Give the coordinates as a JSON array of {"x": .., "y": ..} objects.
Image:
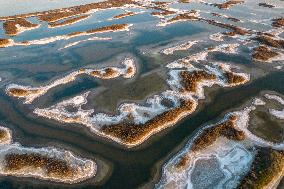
[{"x": 39, "y": 65}]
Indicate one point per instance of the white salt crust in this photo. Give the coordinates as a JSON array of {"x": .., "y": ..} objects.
[
  {"x": 234, "y": 157},
  {"x": 140, "y": 113}
]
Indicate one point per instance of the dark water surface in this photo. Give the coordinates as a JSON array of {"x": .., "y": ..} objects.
[
  {"x": 132, "y": 168},
  {"x": 128, "y": 168}
]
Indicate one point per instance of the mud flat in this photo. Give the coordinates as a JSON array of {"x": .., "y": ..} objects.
[
  {"x": 138, "y": 90},
  {"x": 29, "y": 93},
  {"x": 135, "y": 123},
  {"x": 227, "y": 155},
  {"x": 46, "y": 163}
]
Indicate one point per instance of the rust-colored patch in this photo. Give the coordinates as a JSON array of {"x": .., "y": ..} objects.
[
  {"x": 21, "y": 92},
  {"x": 183, "y": 162},
  {"x": 184, "y": 16},
  {"x": 10, "y": 26},
  {"x": 263, "y": 53},
  {"x": 4, "y": 42},
  {"x": 234, "y": 78},
  {"x": 53, "y": 166},
  {"x": 129, "y": 132},
  {"x": 278, "y": 22},
  {"x": 226, "y": 129},
  {"x": 268, "y": 40},
  {"x": 190, "y": 80},
  {"x": 127, "y": 14}
]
